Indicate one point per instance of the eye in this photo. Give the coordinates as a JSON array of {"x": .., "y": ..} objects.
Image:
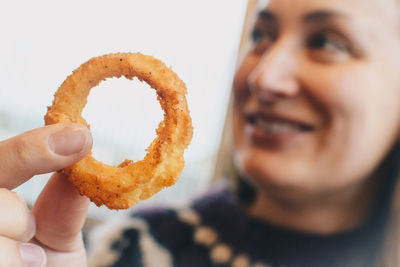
[
  {"x": 256, "y": 36},
  {"x": 261, "y": 41},
  {"x": 327, "y": 41}
]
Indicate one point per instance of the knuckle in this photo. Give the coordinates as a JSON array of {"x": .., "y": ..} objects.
[
  {"x": 22, "y": 152},
  {"x": 22, "y": 157}
]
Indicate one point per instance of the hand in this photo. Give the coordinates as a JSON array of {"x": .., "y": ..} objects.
[{"x": 50, "y": 235}]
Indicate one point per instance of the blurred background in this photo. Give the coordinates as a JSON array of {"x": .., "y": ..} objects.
[{"x": 43, "y": 41}]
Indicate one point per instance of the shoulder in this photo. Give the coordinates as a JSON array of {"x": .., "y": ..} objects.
[
  {"x": 162, "y": 237},
  {"x": 105, "y": 242}
]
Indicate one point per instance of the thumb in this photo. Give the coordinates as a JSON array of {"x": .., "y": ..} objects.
[
  {"x": 42, "y": 150},
  {"x": 60, "y": 213}
]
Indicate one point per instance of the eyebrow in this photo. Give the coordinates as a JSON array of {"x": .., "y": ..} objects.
[
  {"x": 314, "y": 17},
  {"x": 322, "y": 16},
  {"x": 266, "y": 15}
]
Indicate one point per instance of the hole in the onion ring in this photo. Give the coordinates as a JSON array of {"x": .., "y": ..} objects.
[{"x": 123, "y": 116}]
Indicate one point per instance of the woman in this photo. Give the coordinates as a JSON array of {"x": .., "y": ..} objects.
[
  {"x": 316, "y": 137},
  {"x": 315, "y": 121}
]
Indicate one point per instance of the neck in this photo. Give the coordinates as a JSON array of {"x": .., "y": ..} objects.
[{"x": 323, "y": 213}]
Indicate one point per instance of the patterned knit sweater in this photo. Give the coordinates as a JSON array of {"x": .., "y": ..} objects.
[{"x": 214, "y": 231}]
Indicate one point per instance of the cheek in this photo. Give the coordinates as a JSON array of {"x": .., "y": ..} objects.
[
  {"x": 336, "y": 90},
  {"x": 363, "y": 111},
  {"x": 352, "y": 95},
  {"x": 359, "y": 97}
]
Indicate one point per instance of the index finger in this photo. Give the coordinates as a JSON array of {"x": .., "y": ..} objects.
[
  {"x": 60, "y": 212},
  {"x": 42, "y": 150}
]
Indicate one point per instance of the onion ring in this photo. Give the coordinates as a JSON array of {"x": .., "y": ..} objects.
[{"x": 120, "y": 187}]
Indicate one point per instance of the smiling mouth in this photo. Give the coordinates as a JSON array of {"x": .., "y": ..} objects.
[{"x": 275, "y": 126}]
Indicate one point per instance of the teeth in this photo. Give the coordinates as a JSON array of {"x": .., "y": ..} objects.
[{"x": 276, "y": 127}]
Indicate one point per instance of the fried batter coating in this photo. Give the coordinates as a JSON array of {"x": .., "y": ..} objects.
[{"x": 120, "y": 187}]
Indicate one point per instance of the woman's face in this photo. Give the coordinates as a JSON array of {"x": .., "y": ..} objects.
[{"x": 317, "y": 95}]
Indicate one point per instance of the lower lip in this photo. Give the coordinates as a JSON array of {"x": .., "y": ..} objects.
[{"x": 259, "y": 136}]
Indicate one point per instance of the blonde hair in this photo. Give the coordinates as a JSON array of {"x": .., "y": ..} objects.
[
  {"x": 224, "y": 164},
  {"x": 390, "y": 256}
]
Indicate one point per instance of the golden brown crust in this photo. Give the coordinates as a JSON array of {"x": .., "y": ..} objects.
[{"x": 119, "y": 187}]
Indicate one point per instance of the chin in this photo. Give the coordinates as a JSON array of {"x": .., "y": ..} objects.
[{"x": 271, "y": 171}]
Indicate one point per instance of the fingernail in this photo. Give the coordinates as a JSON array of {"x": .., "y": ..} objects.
[
  {"x": 69, "y": 141},
  {"x": 32, "y": 255}
]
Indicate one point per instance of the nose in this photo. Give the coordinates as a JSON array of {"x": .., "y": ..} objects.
[{"x": 275, "y": 74}]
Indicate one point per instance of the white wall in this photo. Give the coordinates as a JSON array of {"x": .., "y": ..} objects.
[{"x": 43, "y": 41}]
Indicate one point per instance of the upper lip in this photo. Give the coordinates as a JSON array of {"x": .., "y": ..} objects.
[{"x": 253, "y": 116}]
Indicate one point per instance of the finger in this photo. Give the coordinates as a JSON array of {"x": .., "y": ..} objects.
[
  {"x": 62, "y": 259},
  {"x": 60, "y": 213},
  {"x": 42, "y": 150},
  {"x": 16, "y": 254},
  {"x": 17, "y": 221}
]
